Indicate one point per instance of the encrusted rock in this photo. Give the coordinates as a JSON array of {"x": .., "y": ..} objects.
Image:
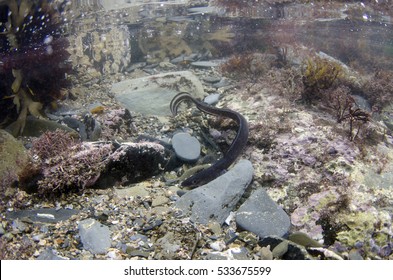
[
  {"x": 133, "y": 162},
  {"x": 12, "y": 156}
]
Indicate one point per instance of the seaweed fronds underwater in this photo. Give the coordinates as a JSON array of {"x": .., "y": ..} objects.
[{"x": 34, "y": 60}]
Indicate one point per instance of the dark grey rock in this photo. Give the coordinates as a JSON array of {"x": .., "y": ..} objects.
[
  {"x": 222, "y": 83},
  {"x": 212, "y": 79},
  {"x": 215, "y": 256},
  {"x": 92, "y": 127},
  {"x": 262, "y": 216},
  {"x": 187, "y": 147},
  {"x": 95, "y": 237},
  {"x": 216, "y": 199},
  {"x": 212, "y": 99},
  {"x": 44, "y": 215},
  {"x": 139, "y": 237},
  {"x": 133, "y": 162},
  {"x": 49, "y": 254},
  {"x": 19, "y": 226}
]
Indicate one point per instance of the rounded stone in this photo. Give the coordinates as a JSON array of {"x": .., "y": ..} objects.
[
  {"x": 212, "y": 99},
  {"x": 187, "y": 147}
]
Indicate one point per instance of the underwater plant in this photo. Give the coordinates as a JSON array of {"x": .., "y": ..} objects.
[
  {"x": 33, "y": 60},
  {"x": 346, "y": 109},
  {"x": 247, "y": 65},
  {"x": 319, "y": 74}
]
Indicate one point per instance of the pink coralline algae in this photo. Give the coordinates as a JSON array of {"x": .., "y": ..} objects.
[{"x": 75, "y": 171}]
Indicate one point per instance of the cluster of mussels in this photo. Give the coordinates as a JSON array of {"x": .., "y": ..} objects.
[{"x": 33, "y": 59}]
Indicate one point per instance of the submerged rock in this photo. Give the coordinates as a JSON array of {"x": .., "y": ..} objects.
[
  {"x": 36, "y": 127},
  {"x": 44, "y": 215},
  {"x": 49, "y": 254},
  {"x": 262, "y": 216},
  {"x": 133, "y": 162},
  {"x": 151, "y": 95},
  {"x": 216, "y": 199},
  {"x": 95, "y": 237},
  {"x": 187, "y": 147}
]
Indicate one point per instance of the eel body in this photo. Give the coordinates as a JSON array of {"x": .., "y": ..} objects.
[{"x": 234, "y": 150}]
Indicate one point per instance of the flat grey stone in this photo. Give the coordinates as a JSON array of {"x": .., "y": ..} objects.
[
  {"x": 216, "y": 199},
  {"x": 49, "y": 254},
  {"x": 223, "y": 83},
  {"x": 44, "y": 215},
  {"x": 95, "y": 237},
  {"x": 262, "y": 216},
  {"x": 212, "y": 79},
  {"x": 187, "y": 147},
  {"x": 204, "y": 64},
  {"x": 18, "y": 225},
  {"x": 152, "y": 95}
]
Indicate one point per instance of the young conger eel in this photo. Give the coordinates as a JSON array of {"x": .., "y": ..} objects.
[{"x": 234, "y": 150}]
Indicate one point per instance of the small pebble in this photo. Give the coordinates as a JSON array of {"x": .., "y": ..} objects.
[
  {"x": 218, "y": 246},
  {"x": 212, "y": 99}
]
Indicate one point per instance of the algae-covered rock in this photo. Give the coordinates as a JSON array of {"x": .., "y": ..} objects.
[
  {"x": 361, "y": 227},
  {"x": 13, "y": 156}
]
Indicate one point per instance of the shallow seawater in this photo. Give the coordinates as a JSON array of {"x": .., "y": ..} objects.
[
  {"x": 353, "y": 33},
  {"x": 86, "y": 87}
]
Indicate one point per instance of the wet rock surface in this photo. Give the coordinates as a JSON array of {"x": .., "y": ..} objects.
[
  {"x": 95, "y": 237},
  {"x": 152, "y": 94},
  {"x": 44, "y": 215},
  {"x": 187, "y": 148},
  {"x": 262, "y": 216},
  {"x": 216, "y": 199}
]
